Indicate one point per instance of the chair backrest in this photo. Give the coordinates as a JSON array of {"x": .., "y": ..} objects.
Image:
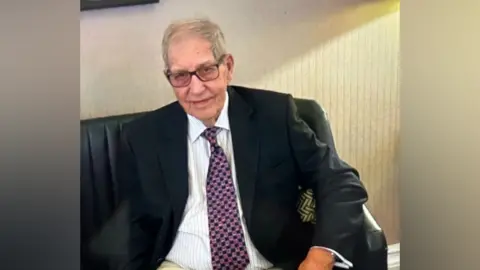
[
  {"x": 316, "y": 118},
  {"x": 99, "y": 185}
]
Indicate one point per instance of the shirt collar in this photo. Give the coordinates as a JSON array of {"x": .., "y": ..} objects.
[{"x": 196, "y": 127}]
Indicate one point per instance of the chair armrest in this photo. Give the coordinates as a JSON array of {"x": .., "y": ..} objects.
[{"x": 372, "y": 250}]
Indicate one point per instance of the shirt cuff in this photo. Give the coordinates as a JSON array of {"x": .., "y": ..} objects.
[{"x": 343, "y": 263}]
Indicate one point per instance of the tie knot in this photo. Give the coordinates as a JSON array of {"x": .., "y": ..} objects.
[{"x": 211, "y": 134}]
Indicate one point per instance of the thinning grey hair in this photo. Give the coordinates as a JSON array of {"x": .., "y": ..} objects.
[{"x": 202, "y": 27}]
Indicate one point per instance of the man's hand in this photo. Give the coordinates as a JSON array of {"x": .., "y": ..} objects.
[{"x": 318, "y": 259}]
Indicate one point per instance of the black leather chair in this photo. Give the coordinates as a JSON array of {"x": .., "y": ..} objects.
[{"x": 100, "y": 189}]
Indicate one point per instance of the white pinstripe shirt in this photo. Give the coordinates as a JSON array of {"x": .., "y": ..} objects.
[{"x": 191, "y": 247}]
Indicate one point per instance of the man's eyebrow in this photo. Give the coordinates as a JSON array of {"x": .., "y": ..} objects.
[{"x": 204, "y": 63}]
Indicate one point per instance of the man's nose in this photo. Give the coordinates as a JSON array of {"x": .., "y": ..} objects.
[{"x": 196, "y": 85}]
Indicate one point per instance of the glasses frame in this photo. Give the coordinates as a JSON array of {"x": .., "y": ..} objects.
[{"x": 219, "y": 62}]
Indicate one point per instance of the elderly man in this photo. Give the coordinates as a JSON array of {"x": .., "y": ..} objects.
[{"x": 213, "y": 177}]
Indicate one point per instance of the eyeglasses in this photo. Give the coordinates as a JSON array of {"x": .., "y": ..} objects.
[{"x": 204, "y": 73}]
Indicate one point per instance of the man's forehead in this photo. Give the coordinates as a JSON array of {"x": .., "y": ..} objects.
[{"x": 189, "y": 44}]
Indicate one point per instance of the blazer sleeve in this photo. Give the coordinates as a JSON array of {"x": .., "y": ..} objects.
[
  {"x": 140, "y": 240},
  {"x": 338, "y": 192}
]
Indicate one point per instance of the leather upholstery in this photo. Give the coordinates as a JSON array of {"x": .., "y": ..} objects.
[{"x": 100, "y": 191}]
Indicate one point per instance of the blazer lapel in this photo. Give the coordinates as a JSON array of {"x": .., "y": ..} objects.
[
  {"x": 246, "y": 147},
  {"x": 172, "y": 155}
]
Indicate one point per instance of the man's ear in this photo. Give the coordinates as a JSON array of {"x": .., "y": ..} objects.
[{"x": 229, "y": 64}]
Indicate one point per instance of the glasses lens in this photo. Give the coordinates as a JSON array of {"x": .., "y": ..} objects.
[
  {"x": 208, "y": 73},
  {"x": 179, "y": 79}
]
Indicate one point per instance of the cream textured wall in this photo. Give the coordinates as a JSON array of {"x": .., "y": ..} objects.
[{"x": 342, "y": 53}]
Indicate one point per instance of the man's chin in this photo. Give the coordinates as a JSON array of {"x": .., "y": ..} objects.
[{"x": 206, "y": 118}]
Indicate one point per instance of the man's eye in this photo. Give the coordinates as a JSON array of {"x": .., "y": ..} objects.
[
  {"x": 208, "y": 69},
  {"x": 180, "y": 75}
]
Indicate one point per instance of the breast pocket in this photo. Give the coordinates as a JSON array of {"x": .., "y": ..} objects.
[
  {"x": 275, "y": 163},
  {"x": 279, "y": 171},
  {"x": 277, "y": 184}
]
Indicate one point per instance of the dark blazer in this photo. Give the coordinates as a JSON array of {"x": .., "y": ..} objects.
[{"x": 275, "y": 153}]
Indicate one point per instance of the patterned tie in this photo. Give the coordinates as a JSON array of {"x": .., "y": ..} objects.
[{"x": 227, "y": 243}]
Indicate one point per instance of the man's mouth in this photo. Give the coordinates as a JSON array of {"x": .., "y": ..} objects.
[{"x": 201, "y": 102}]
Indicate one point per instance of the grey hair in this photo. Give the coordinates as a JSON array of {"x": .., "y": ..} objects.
[{"x": 202, "y": 27}]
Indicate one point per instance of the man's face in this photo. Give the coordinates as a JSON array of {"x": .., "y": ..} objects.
[{"x": 202, "y": 97}]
